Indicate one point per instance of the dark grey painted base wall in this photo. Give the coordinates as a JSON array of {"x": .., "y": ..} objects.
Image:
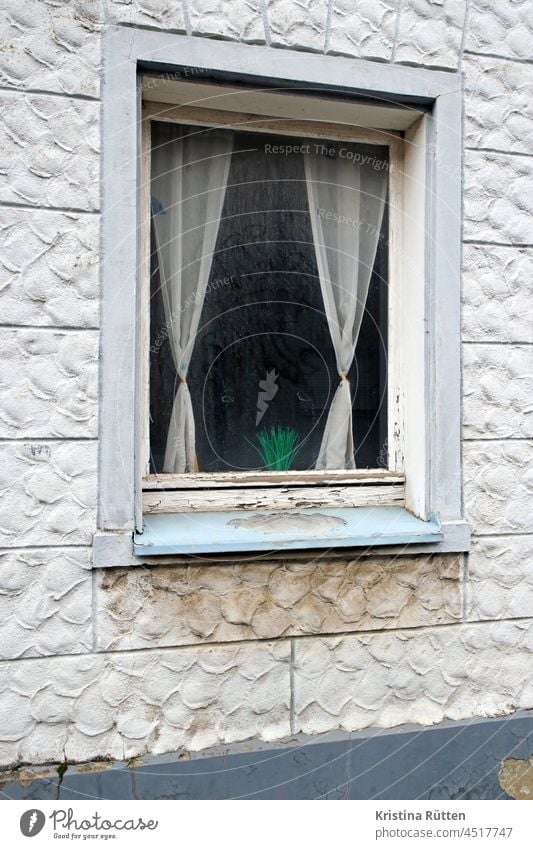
[{"x": 452, "y": 761}]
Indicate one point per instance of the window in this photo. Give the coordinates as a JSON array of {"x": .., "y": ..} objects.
[
  {"x": 283, "y": 326},
  {"x": 268, "y": 302}
]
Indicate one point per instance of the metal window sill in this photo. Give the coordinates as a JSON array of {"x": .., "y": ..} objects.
[{"x": 211, "y": 533}]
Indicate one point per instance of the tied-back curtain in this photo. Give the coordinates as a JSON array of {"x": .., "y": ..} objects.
[
  {"x": 346, "y": 204},
  {"x": 189, "y": 179}
]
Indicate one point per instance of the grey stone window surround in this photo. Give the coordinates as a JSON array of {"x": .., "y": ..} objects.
[{"x": 129, "y": 50}]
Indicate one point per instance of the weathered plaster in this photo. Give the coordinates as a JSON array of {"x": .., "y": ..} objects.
[
  {"x": 166, "y": 14},
  {"x": 49, "y": 151},
  {"x": 158, "y": 606},
  {"x": 48, "y": 493},
  {"x": 498, "y": 200},
  {"x": 500, "y": 578},
  {"x": 501, "y": 28},
  {"x": 45, "y": 602},
  {"x": 498, "y": 105},
  {"x": 498, "y": 391},
  {"x": 51, "y": 46},
  {"x": 498, "y": 486},
  {"x": 48, "y": 268},
  {"x": 300, "y": 24},
  {"x": 240, "y": 20},
  {"x": 122, "y": 705},
  {"x": 53, "y": 383},
  {"x": 127, "y": 704},
  {"x": 497, "y": 294},
  {"x": 516, "y": 777},
  {"x": 422, "y": 676},
  {"x": 364, "y": 29},
  {"x": 430, "y": 33}
]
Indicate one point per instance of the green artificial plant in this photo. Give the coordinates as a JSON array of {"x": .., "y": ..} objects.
[{"x": 278, "y": 447}]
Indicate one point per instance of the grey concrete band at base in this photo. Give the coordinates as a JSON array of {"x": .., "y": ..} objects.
[{"x": 455, "y": 760}]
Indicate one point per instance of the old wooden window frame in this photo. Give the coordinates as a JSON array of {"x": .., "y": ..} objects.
[
  {"x": 164, "y": 493},
  {"x": 427, "y": 409}
]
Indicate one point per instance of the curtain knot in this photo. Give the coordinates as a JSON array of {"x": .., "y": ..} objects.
[
  {"x": 345, "y": 377},
  {"x": 183, "y": 380}
]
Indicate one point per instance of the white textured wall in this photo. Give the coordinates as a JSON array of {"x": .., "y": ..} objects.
[{"x": 122, "y": 662}]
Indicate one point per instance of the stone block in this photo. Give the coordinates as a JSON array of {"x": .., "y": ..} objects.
[
  {"x": 498, "y": 486},
  {"x": 497, "y": 294},
  {"x": 498, "y": 104},
  {"x": 125, "y": 705},
  {"x": 497, "y": 391},
  {"x": 430, "y": 33},
  {"x": 364, "y": 29},
  {"x": 48, "y": 268},
  {"x": 48, "y": 493},
  {"x": 51, "y": 46},
  {"x": 163, "y": 14},
  {"x": 498, "y": 198},
  {"x": 181, "y": 605},
  {"x": 500, "y": 578},
  {"x": 425, "y": 677},
  {"x": 52, "y": 389},
  {"x": 298, "y": 24},
  {"x": 503, "y": 28},
  {"x": 241, "y": 20},
  {"x": 45, "y": 602},
  {"x": 49, "y": 151}
]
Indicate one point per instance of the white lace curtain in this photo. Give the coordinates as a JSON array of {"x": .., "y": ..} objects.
[
  {"x": 189, "y": 179},
  {"x": 346, "y": 204}
]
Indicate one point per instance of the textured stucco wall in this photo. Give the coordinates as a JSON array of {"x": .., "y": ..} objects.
[{"x": 117, "y": 663}]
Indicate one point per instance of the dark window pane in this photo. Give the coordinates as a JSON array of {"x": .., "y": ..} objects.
[{"x": 263, "y": 332}]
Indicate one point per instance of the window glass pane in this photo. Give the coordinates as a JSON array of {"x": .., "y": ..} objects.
[{"x": 263, "y": 356}]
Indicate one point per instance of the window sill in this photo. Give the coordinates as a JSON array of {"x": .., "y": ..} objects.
[
  {"x": 239, "y": 531},
  {"x": 391, "y": 530}
]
